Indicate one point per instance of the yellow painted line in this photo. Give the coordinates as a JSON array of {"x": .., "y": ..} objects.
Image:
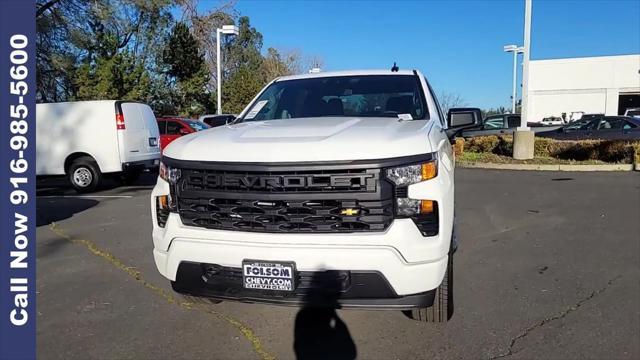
[{"x": 94, "y": 249}]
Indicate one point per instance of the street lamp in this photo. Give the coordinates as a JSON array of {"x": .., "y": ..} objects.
[
  {"x": 227, "y": 30},
  {"x": 515, "y": 49}
]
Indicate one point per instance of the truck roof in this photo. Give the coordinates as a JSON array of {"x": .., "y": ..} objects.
[{"x": 345, "y": 73}]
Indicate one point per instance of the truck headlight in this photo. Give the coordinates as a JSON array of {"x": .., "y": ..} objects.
[
  {"x": 411, "y": 207},
  {"x": 169, "y": 174},
  {"x": 420, "y": 211},
  {"x": 411, "y": 174}
]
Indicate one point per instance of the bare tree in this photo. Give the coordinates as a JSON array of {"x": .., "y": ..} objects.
[
  {"x": 281, "y": 62},
  {"x": 449, "y": 100},
  {"x": 203, "y": 28}
]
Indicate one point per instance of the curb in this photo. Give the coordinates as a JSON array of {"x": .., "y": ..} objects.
[{"x": 551, "y": 167}]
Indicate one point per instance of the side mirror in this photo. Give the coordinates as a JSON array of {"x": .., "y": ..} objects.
[{"x": 459, "y": 119}]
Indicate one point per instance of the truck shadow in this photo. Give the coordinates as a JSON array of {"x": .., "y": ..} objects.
[
  {"x": 50, "y": 210},
  {"x": 319, "y": 332}
]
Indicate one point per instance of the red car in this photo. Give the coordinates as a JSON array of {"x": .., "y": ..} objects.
[{"x": 172, "y": 128}]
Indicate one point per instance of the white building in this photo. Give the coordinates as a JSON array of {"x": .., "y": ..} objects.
[{"x": 603, "y": 84}]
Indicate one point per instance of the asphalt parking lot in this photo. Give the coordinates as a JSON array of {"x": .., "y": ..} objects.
[{"x": 548, "y": 267}]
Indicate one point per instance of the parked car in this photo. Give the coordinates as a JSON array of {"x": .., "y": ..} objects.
[
  {"x": 330, "y": 190},
  {"x": 503, "y": 124},
  {"x": 553, "y": 121},
  {"x": 587, "y": 117},
  {"x": 602, "y": 127},
  {"x": 172, "y": 128},
  {"x": 85, "y": 140},
  {"x": 495, "y": 125},
  {"x": 635, "y": 112},
  {"x": 217, "y": 120}
]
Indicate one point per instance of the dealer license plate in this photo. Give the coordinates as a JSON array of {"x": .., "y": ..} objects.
[{"x": 268, "y": 275}]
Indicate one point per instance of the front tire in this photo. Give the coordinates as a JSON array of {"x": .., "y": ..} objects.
[
  {"x": 84, "y": 174},
  {"x": 442, "y": 309}
]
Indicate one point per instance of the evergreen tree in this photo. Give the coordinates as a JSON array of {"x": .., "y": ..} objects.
[{"x": 187, "y": 71}]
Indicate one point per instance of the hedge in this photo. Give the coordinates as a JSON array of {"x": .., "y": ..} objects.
[{"x": 612, "y": 151}]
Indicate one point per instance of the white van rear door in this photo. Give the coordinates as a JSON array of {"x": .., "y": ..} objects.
[
  {"x": 151, "y": 124},
  {"x": 140, "y": 136}
]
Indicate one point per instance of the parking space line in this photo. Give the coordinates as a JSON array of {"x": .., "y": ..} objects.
[{"x": 246, "y": 331}]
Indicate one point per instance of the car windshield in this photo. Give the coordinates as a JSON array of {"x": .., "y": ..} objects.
[
  {"x": 587, "y": 124},
  {"x": 197, "y": 125},
  {"x": 633, "y": 113},
  {"x": 358, "y": 96}
]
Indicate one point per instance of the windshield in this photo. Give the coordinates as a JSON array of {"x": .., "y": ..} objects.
[
  {"x": 587, "y": 124},
  {"x": 359, "y": 96},
  {"x": 633, "y": 112},
  {"x": 197, "y": 125}
]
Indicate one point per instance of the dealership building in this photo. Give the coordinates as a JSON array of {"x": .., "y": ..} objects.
[{"x": 604, "y": 84}]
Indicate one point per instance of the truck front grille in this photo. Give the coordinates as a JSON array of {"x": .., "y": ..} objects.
[
  {"x": 285, "y": 200},
  {"x": 292, "y": 216}
]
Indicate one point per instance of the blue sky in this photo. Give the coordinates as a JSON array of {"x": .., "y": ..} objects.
[{"x": 457, "y": 44}]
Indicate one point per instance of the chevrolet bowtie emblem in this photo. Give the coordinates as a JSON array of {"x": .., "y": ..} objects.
[{"x": 349, "y": 212}]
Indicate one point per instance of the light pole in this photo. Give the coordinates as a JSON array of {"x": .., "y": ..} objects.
[
  {"x": 525, "y": 65},
  {"x": 228, "y": 30},
  {"x": 515, "y": 49},
  {"x": 523, "y": 137}
]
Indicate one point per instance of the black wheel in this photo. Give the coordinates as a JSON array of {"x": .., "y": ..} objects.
[
  {"x": 84, "y": 174},
  {"x": 442, "y": 308},
  {"x": 130, "y": 176}
]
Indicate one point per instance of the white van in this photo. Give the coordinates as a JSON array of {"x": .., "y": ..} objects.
[{"x": 86, "y": 139}]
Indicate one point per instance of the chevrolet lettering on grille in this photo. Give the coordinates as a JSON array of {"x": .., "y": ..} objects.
[{"x": 287, "y": 181}]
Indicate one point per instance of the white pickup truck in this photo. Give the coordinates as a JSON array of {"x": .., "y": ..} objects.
[{"x": 329, "y": 189}]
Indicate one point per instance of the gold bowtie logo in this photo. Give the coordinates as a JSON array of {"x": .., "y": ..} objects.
[{"x": 349, "y": 212}]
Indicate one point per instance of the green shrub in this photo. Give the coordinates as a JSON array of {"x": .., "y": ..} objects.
[
  {"x": 541, "y": 147},
  {"x": 613, "y": 151},
  {"x": 574, "y": 150},
  {"x": 481, "y": 144},
  {"x": 636, "y": 149},
  {"x": 458, "y": 147},
  {"x": 607, "y": 151},
  {"x": 504, "y": 146}
]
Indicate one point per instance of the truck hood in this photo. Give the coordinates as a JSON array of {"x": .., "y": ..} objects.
[{"x": 306, "y": 139}]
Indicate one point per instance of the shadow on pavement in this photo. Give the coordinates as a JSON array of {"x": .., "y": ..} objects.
[
  {"x": 54, "y": 209},
  {"x": 319, "y": 332},
  {"x": 59, "y": 185}
]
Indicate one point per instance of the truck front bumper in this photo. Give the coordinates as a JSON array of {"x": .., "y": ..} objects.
[
  {"x": 397, "y": 268},
  {"x": 336, "y": 289}
]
